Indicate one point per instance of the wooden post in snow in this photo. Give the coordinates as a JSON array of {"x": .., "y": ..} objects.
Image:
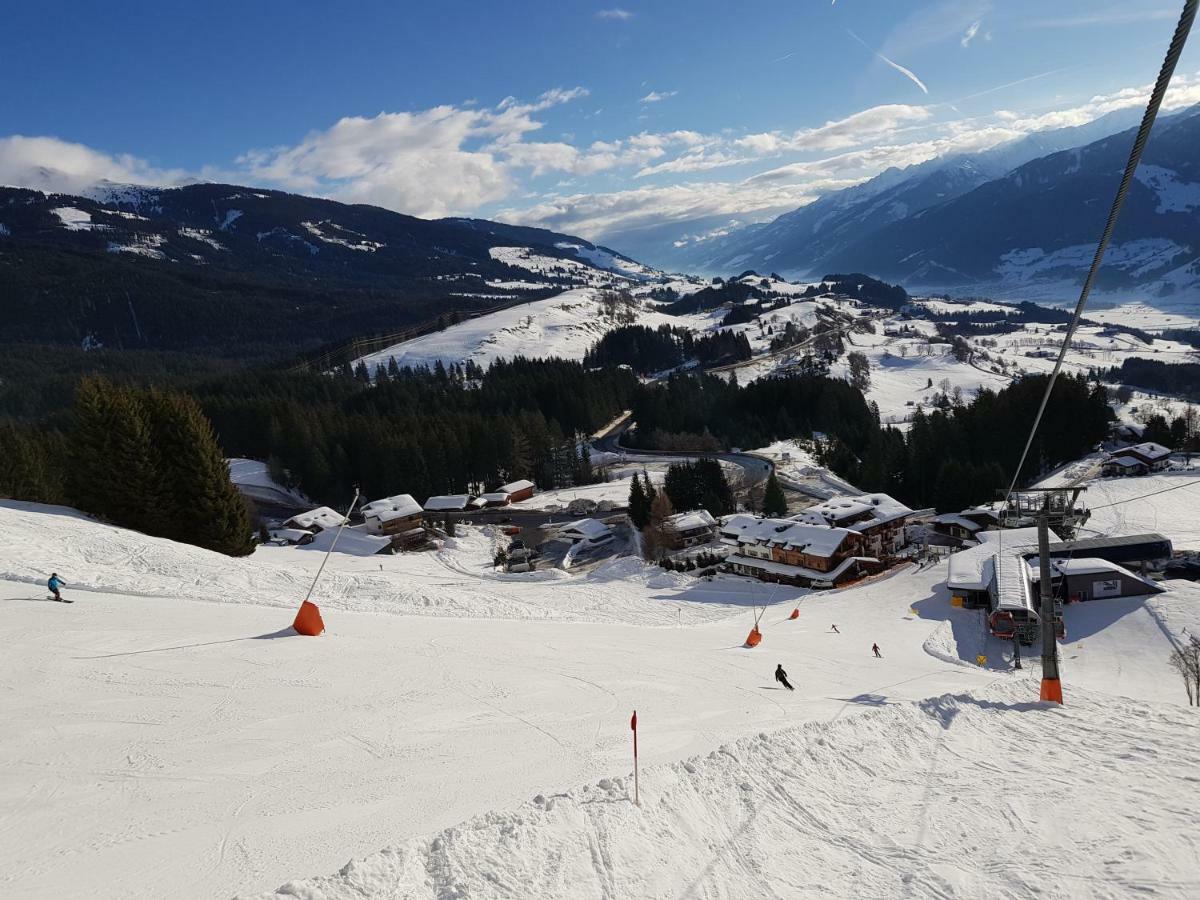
[{"x": 633, "y": 725}]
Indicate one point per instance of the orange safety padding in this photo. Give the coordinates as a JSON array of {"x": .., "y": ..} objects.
[
  {"x": 1052, "y": 690},
  {"x": 754, "y": 638},
  {"x": 308, "y": 620},
  {"x": 795, "y": 613}
]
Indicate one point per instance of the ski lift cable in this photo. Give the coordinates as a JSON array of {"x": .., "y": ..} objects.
[
  {"x": 1191, "y": 482},
  {"x": 1174, "y": 51}
]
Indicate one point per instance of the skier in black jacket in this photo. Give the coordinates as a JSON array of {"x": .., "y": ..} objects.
[{"x": 781, "y": 677}]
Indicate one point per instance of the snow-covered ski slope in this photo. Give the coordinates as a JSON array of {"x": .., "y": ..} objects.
[
  {"x": 945, "y": 797},
  {"x": 160, "y": 745}
]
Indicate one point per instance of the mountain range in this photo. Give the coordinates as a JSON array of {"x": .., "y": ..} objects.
[
  {"x": 1018, "y": 220},
  {"x": 226, "y": 269}
]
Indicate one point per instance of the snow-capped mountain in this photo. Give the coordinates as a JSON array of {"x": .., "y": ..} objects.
[
  {"x": 1033, "y": 231},
  {"x": 799, "y": 241},
  {"x": 207, "y": 265}
]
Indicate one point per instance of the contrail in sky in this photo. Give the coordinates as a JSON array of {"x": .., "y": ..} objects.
[
  {"x": 907, "y": 73},
  {"x": 1001, "y": 87}
]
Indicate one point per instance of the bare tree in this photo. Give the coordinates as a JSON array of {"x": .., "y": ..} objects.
[
  {"x": 1186, "y": 661},
  {"x": 654, "y": 543}
]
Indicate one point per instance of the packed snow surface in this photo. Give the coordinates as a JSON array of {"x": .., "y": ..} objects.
[{"x": 168, "y": 734}]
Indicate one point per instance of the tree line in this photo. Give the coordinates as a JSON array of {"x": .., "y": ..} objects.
[
  {"x": 647, "y": 350},
  {"x": 141, "y": 459}
]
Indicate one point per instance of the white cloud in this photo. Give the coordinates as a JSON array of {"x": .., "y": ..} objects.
[
  {"x": 970, "y": 33},
  {"x": 58, "y": 166},
  {"x": 658, "y": 96},
  {"x": 616, "y": 14},
  {"x": 430, "y": 163}
]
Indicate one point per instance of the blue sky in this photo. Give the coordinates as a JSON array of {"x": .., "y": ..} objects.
[{"x": 586, "y": 117}]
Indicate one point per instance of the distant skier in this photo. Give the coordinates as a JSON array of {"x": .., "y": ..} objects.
[
  {"x": 54, "y": 584},
  {"x": 781, "y": 677},
  {"x": 835, "y": 631},
  {"x": 875, "y": 650}
]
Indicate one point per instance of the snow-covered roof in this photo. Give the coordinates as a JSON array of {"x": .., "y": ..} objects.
[
  {"x": 588, "y": 528},
  {"x": 354, "y": 541},
  {"x": 290, "y": 534},
  {"x": 494, "y": 497},
  {"x": 733, "y": 526},
  {"x": 956, "y": 519},
  {"x": 513, "y": 486},
  {"x": 857, "y": 513},
  {"x": 1092, "y": 565},
  {"x": 389, "y": 508},
  {"x": 777, "y": 568},
  {"x": 321, "y": 517},
  {"x": 1151, "y": 450},
  {"x": 974, "y": 569},
  {"x": 699, "y": 518},
  {"x": 448, "y": 501},
  {"x": 478, "y": 502},
  {"x": 817, "y": 540},
  {"x": 1126, "y": 462}
]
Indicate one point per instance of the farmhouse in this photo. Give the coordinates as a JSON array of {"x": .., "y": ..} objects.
[
  {"x": 689, "y": 529},
  {"x": 1140, "y": 459},
  {"x": 877, "y": 520},
  {"x": 790, "y": 552},
  {"x": 517, "y": 490},
  {"x": 398, "y": 518},
  {"x": 316, "y": 520}
]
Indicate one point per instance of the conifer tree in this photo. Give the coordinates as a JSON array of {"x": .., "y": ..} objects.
[
  {"x": 774, "y": 502},
  {"x": 639, "y": 505},
  {"x": 203, "y": 506}
]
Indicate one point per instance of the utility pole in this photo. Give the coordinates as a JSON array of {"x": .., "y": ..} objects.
[{"x": 1051, "y": 685}]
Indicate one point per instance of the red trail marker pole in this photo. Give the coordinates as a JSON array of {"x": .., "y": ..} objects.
[{"x": 633, "y": 725}]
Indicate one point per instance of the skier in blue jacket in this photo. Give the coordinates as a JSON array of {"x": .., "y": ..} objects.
[{"x": 54, "y": 584}]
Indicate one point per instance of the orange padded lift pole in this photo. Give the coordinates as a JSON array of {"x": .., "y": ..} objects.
[
  {"x": 308, "y": 620},
  {"x": 754, "y": 638}
]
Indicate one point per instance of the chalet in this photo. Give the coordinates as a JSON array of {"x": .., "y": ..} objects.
[
  {"x": 397, "y": 518},
  {"x": 294, "y": 536},
  {"x": 494, "y": 498},
  {"x": 584, "y": 531},
  {"x": 1140, "y": 459},
  {"x": 689, "y": 529},
  {"x": 790, "y": 552},
  {"x": 878, "y": 520},
  {"x": 355, "y": 540},
  {"x": 517, "y": 490},
  {"x": 316, "y": 520},
  {"x": 965, "y": 525},
  {"x": 448, "y": 503}
]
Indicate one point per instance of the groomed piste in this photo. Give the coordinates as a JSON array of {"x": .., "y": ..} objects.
[{"x": 458, "y": 733}]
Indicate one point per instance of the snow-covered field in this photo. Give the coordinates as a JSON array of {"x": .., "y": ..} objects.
[
  {"x": 565, "y": 325},
  {"x": 1165, "y": 503}
]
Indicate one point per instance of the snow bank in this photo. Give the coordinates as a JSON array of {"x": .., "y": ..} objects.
[{"x": 910, "y": 799}]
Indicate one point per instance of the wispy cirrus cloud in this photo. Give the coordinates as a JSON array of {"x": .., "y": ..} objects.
[
  {"x": 615, "y": 14},
  {"x": 970, "y": 34},
  {"x": 658, "y": 96}
]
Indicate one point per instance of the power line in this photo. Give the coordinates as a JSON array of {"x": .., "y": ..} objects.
[{"x": 1156, "y": 97}]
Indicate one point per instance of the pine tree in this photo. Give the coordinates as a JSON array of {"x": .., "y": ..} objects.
[
  {"x": 199, "y": 502},
  {"x": 639, "y": 505},
  {"x": 774, "y": 502}
]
